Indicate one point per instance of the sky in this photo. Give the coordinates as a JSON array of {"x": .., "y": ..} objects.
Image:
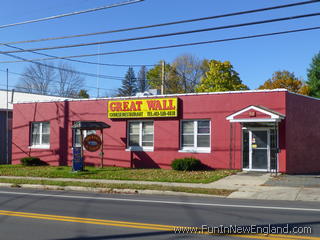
[{"x": 254, "y": 59}]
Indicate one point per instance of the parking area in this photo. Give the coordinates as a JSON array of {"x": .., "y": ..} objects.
[{"x": 308, "y": 181}]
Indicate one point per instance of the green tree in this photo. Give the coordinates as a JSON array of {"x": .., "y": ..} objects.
[
  {"x": 220, "y": 77},
  {"x": 83, "y": 94},
  {"x": 205, "y": 66},
  {"x": 142, "y": 83},
  {"x": 314, "y": 76},
  {"x": 287, "y": 80},
  {"x": 171, "y": 83},
  {"x": 129, "y": 84}
]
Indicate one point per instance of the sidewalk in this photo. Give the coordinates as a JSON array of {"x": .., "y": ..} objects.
[
  {"x": 247, "y": 185},
  {"x": 264, "y": 186}
]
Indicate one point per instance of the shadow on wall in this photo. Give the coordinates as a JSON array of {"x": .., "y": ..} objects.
[
  {"x": 64, "y": 136},
  {"x": 143, "y": 160},
  {"x": 22, "y": 151}
]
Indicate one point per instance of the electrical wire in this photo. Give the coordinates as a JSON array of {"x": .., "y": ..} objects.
[
  {"x": 64, "y": 69},
  {"x": 171, "y": 46},
  {"x": 165, "y": 24},
  {"x": 49, "y": 93},
  {"x": 169, "y": 34},
  {"x": 86, "y": 62},
  {"x": 23, "y": 75},
  {"x": 71, "y": 14}
]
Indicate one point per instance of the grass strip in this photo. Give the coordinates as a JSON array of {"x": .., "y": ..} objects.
[
  {"x": 116, "y": 173},
  {"x": 110, "y": 187}
]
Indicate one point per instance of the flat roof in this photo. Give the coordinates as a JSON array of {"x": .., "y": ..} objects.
[
  {"x": 173, "y": 95},
  {"x": 21, "y": 97},
  {"x": 36, "y": 94}
]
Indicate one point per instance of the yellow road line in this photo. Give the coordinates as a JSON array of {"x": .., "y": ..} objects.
[
  {"x": 139, "y": 225},
  {"x": 2, "y": 212},
  {"x": 296, "y": 236},
  {"x": 253, "y": 236},
  {"x": 89, "y": 222}
]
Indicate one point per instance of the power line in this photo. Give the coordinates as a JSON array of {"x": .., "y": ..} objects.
[
  {"x": 23, "y": 75},
  {"x": 171, "y": 46},
  {"x": 49, "y": 93},
  {"x": 86, "y": 62},
  {"x": 167, "y": 23},
  {"x": 64, "y": 69},
  {"x": 30, "y": 88},
  {"x": 72, "y": 13},
  {"x": 168, "y": 34}
]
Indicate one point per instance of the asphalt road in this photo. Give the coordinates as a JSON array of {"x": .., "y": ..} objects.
[{"x": 32, "y": 214}]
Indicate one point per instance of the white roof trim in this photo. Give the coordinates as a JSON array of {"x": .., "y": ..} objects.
[
  {"x": 256, "y": 120},
  {"x": 274, "y": 117},
  {"x": 170, "y": 95}
]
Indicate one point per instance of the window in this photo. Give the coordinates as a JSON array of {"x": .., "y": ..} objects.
[
  {"x": 40, "y": 134},
  {"x": 195, "y": 135},
  {"x": 76, "y": 136},
  {"x": 140, "y": 135}
]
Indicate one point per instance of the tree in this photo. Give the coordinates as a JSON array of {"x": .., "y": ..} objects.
[
  {"x": 37, "y": 78},
  {"x": 142, "y": 83},
  {"x": 182, "y": 76},
  {"x": 220, "y": 77},
  {"x": 171, "y": 83},
  {"x": 314, "y": 76},
  {"x": 287, "y": 80},
  {"x": 129, "y": 84},
  {"x": 69, "y": 82},
  {"x": 46, "y": 78},
  {"x": 205, "y": 66},
  {"x": 83, "y": 94},
  {"x": 189, "y": 70}
]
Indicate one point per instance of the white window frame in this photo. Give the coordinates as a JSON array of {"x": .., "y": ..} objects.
[
  {"x": 195, "y": 149},
  {"x": 140, "y": 147},
  {"x": 41, "y": 145}
]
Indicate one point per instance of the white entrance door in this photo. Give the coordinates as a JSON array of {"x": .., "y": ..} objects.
[{"x": 259, "y": 149}]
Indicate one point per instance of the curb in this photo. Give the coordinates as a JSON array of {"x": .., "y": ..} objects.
[
  {"x": 177, "y": 184},
  {"x": 105, "y": 190}
]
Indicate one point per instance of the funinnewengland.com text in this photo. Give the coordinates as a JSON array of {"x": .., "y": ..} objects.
[{"x": 251, "y": 229}]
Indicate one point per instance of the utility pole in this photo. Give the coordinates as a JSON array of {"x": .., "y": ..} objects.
[
  {"x": 163, "y": 63},
  {"x": 7, "y": 120},
  {"x": 98, "y": 71}
]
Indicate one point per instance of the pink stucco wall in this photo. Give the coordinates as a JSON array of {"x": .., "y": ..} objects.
[
  {"x": 215, "y": 107},
  {"x": 302, "y": 134}
]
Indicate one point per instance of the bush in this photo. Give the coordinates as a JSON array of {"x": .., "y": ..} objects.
[
  {"x": 186, "y": 164},
  {"x": 32, "y": 161}
]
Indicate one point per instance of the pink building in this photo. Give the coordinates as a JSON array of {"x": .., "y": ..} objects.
[{"x": 257, "y": 130}]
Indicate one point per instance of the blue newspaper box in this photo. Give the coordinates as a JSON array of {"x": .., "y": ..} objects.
[{"x": 77, "y": 161}]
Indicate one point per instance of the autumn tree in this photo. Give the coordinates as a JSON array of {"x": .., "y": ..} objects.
[
  {"x": 83, "y": 94},
  {"x": 314, "y": 76},
  {"x": 205, "y": 66},
  {"x": 129, "y": 84},
  {"x": 171, "y": 83},
  {"x": 220, "y": 77},
  {"x": 287, "y": 80}
]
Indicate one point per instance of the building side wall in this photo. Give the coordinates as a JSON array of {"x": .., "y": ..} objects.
[
  {"x": 215, "y": 107},
  {"x": 303, "y": 134},
  {"x": 3, "y": 137}
]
